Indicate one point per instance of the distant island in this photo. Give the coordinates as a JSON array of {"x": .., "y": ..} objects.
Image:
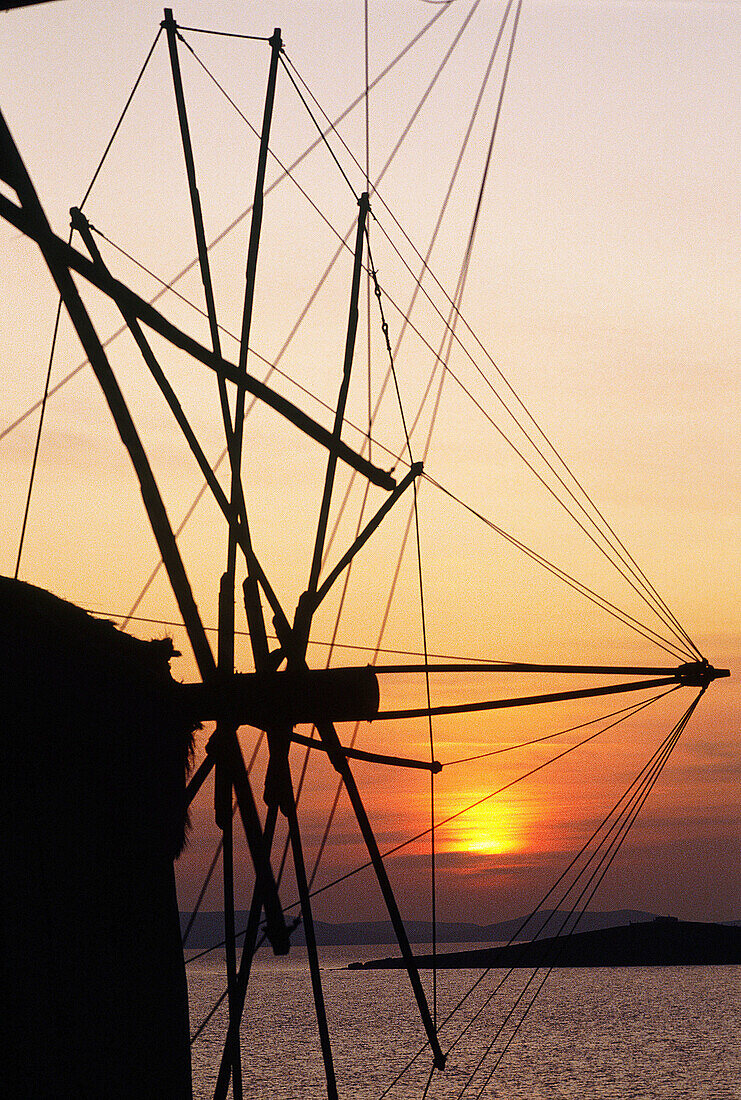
[
  {"x": 208, "y": 928},
  {"x": 662, "y": 941},
  {"x": 208, "y": 931}
]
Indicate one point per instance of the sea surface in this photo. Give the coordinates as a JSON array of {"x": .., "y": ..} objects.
[{"x": 653, "y": 1033}]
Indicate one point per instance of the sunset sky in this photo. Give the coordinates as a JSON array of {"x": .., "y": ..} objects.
[{"x": 603, "y": 283}]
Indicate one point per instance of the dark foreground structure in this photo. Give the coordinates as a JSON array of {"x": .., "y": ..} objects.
[
  {"x": 660, "y": 942},
  {"x": 92, "y": 793}
]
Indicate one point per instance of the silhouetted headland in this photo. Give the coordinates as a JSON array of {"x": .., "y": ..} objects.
[{"x": 663, "y": 941}]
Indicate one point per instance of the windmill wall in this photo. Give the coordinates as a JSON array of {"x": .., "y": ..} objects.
[{"x": 92, "y": 794}]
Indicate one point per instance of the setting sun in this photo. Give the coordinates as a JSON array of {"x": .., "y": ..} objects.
[{"x": 487, "y": 830}]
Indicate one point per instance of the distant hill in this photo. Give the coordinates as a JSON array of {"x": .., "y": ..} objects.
[
  {"x": 208, "y": 928},
  {"x": 663, "y": 941}
]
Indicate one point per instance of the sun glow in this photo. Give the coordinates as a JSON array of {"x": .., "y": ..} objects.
[
  {"x": 488, "y": 846},
  {"x": 489, "y": 830}
]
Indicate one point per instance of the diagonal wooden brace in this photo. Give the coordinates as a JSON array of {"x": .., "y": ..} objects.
[{"x": 225, "y": 750}]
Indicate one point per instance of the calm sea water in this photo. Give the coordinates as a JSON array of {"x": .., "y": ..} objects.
[{"x": 659, "y": 1033}]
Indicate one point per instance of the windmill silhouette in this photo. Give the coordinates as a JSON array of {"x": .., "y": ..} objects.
[{"x": 283, "y": 691}]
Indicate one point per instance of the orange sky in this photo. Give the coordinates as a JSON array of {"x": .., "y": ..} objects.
[{"x": 603, "y": 283}]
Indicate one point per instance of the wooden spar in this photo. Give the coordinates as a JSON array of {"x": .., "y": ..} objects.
[
  {"x": 198, "y": 778},
  {"x": 311, "y": 603},
  {"x": 82, "y": 225},
  {"x": 63, "y": 254},
  {"x": 367, "y": 531},
  {"x": 223, "y": 815},
  {"x": 279, "y": 794},
  {"x": 370, "y": 757},
  {"x": 289, "y": 803},
  {"x": 245, "y": 964},
  {"x": 225, "y": 748},
  {"x": 225, "y": 821},
  {"x": 517, "y": 666},
  {"x": 253, "y": 247},
  {"x": 227, "y": 752},
  {"x": 223, "y": 784},
  {"x": 303, "y": 615},
  {"x": 252, "y": 602},
  {"x": 195, "y": 199},
  {"x": 528, "y": 700},
  {"x": 225, "y": 646},
  {"x": 329, "y": 736},
  {"x": 251, "y": 594},
  {"x": 195, "y": 202}
]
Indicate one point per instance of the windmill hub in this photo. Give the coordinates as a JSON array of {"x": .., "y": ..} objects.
[
  {"x": 699, "y": 674},
  {"x": 278, "y": 699}
]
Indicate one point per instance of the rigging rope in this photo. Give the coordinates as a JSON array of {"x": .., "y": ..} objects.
[
  {"x": 225, "y": 34},
  {"x": 651, "y": 598},
  {"x": 117, "y": 127},
  {"x": 322, "y": 136},
  {"x": 448, "y": 371},
  {"x": 366, "y": 99},
  {"x": 645, "y": 589},
  {"x": 631, "y": 711},
  {"x": 55, "y": 333},
  {"x": 406, "y": 317},
  {"x": 423, "y": 616},
  {"x": 627, "y": 814},
  {"x": 549, "y": 736},
  {"x": 332, "y": 126},
  {"x": 578, "y": 586},
  {"x": 492, "y": 794},
  {"x": 638, "y": 786},
  {"x": 236, "y": 221},
  {"x": 629, "y": 570},
  {"x": 599, "y": 873},
  {"x": 314, "y": 641},
  {"x": 37, "y": 445},
  {"x": 600, "y": 601}
]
